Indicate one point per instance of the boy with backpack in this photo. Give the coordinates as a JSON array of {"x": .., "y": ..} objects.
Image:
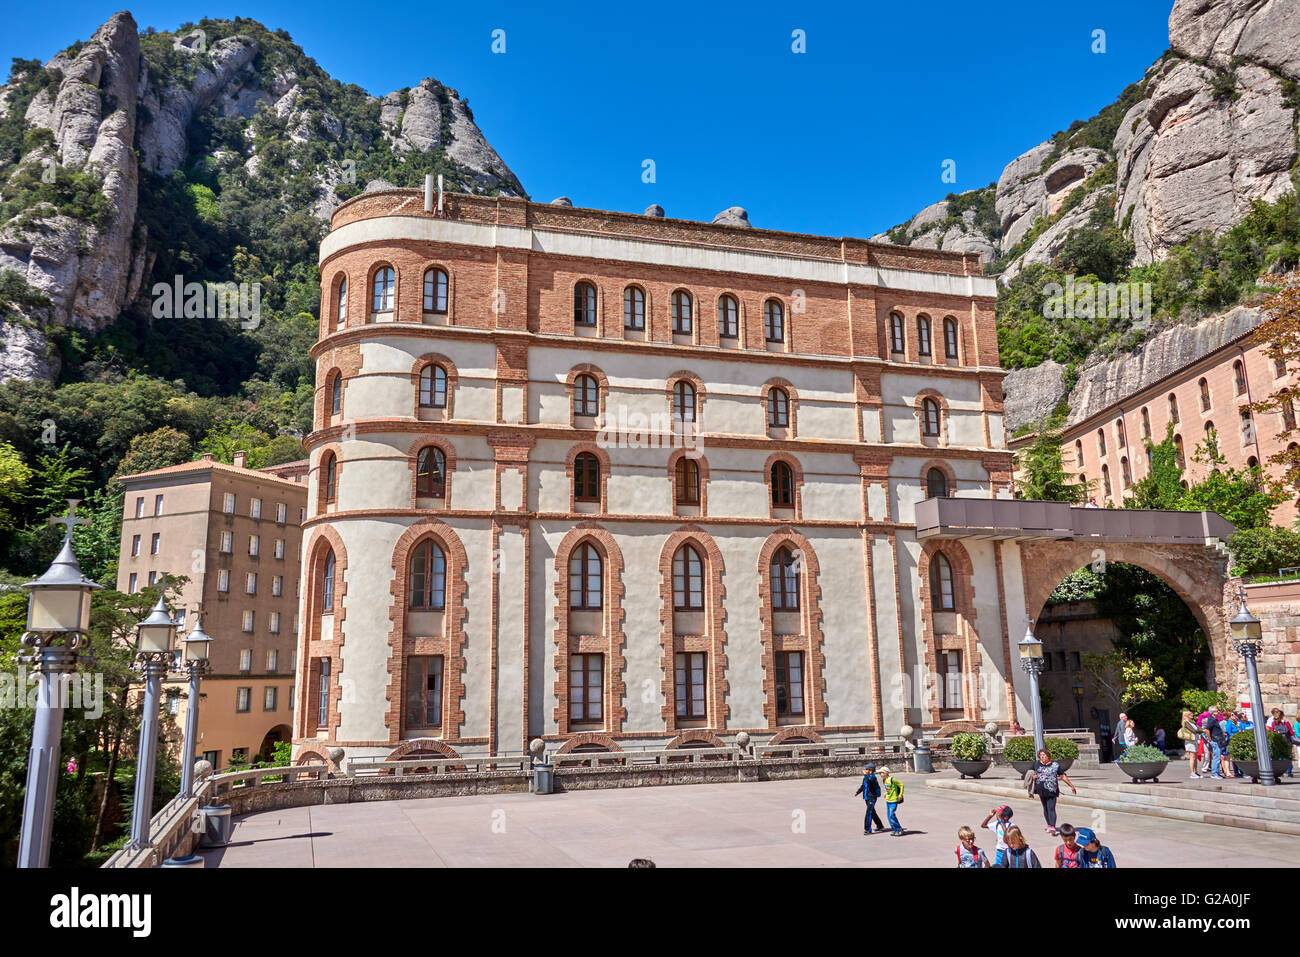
[
  {"x": 1095, "y": 854},
  {"x": 1069, "y": 853},
  {"x": 968, "y": 855},
  {"x": 870, "y": 791},
  {"x": 893, "y": 798}
]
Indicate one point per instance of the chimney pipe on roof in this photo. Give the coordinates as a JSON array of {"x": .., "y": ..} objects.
[
  {"x": 206, "y": 457},
  {"x": 428, "y": 192},
  {"x": 240, "y": 458}
]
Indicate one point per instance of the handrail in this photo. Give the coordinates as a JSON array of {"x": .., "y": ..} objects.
[
  {"x": 170, "y": 831},
  {"x": 252, "y": 777}
]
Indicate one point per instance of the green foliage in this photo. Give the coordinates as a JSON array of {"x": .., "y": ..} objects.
[
  {"x": 14, "y": 477},
  {"x": 1198, "y": 701},
  {"x": 1162, "y": 486},
  {"x": 1123, "y": 679},
  {"x": 1043, "y": 473},
  {"x": 1262, "y": 551},
  {"x": 969, "y": 747},
  {"x": 1021, "y": 748},
  {"x": 18, "y": 297},
  {"x": 1241, "y": 746},
  {"x": 1142, "y": 753},
  {"x": 1240, "y": 495}
]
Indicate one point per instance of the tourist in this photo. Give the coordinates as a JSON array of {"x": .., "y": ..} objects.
[
  {"x": 1016, "y": 728},
  {"x": 1018, "y": 852},
  {"x": 870, "y": 791},
  {"x": 1190, "y": 735},
  {"x": 1095, "y": 854},
  {"x": 1069, "y": 853},
  {"x": 1130, "y": 734},
  {"x": 1001, "y": 818},
  {"x": 893, "y": 798},
  {"x": 1230, "y": 727},
  {"x": 968, "y": 855},
  {"x": 1217, "y": 744},
  {"x": 1277, "y": 722},
  {"x": 1121, "y": 732},
  {"x": 1203, "y": 753},
  {"x": 1047, "y": 774},
  {"x": 1160, "y": 739},
  {"x": 1092, "y": 503}
]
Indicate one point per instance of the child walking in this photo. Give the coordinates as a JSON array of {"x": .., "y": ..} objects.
[
  {"x": 1001, "y": 817},
  {"x": 1095, "y": 854},
  {"x": 1069, "y": 853},
  {"x": 1018, "y": 851},
  {"x": 870, "y": 791},
  {"x": 968, "y": 855},
  {"x": 893, "y": 798}
]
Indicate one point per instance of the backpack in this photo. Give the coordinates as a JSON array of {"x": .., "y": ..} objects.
[{"x": 1064, "y": 859}]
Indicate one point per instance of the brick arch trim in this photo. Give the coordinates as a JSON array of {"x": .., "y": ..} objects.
[
  {"x": 809, "y": 642},
  {"x": 713, "y": 643},
  {"x": 949, "y": 475},
  {"x": 570, "y": 465},
  {"x": 451, "y": 644},
  {"x": 701, "y": 463},
  {"x": 796, "y": 468},
  {"x": 448, "y": 450},
  {"x": 423, "y": 745},
  {"x": 324, "y": 536},
  {"x": 796, "y": 731},
  {"x": 698, "y": 734},
  {"x": 584, "y": 738},
  {"x": 419, "y": 364},
  {"x": 613, "y": 639},
  {"x": 963, "y": 600}
]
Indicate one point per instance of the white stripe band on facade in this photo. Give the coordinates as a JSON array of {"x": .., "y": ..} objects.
[{"x": 389, "y": 229}]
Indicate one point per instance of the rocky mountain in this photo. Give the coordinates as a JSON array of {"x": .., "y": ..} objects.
[
  {"x": 217, "y": 151},
  {"x": 1210, "y": 128}
]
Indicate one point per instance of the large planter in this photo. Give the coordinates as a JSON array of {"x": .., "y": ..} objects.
[
  {"x": 1023, "y": 766},
  {"x": 1251, "y": 768},
  {"x": 972, "y": 769},
  {"x": 1144, "y": 770}
]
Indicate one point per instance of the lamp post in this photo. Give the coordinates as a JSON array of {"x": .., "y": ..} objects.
[
  {"x": 196, "y": 664},
  {"x": 58, "y": 617},
  {"x": 1031, "y": 659},
  {"x": 1077, "y": 688},
  {"x": 153, "y": 654},
  {"x": 1248, "y": 638}
]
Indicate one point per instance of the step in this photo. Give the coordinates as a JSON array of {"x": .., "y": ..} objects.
[{"x": 1155, "y": 803}]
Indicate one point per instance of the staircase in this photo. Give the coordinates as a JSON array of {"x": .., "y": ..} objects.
[{"x": 1230, "y": 803}]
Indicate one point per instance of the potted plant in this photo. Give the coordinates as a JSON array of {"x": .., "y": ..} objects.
[
  {"x": 970, "y": 754},
  {"x": 1142, "y": 762},
  {"x": 1019, "y": 752},
  {"x": 1241, "y": 748}
]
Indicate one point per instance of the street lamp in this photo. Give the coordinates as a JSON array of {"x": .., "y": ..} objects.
[
  {"x": 1031, "y": 659},
  {"x": 153, "y": 654},
  {"x": 1077, "y": 688},
  {"x": 196, "y": 646},
  {"x": 58, "y": 617},
  {"x": 1247, "y": 636}
]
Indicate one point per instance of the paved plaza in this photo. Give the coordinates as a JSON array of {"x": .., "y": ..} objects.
[{"x": 814, "y": 822}]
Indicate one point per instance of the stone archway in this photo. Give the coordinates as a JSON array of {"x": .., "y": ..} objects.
[{"x": 1198, "y": 574}]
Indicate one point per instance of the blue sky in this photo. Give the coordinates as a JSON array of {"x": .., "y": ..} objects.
[{"x": 847, "y": 138}]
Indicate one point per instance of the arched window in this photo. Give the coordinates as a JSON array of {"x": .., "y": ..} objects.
[
  {"x": 688, "y": 580},
  {"x": 1105, "y": 480},
  {"x": 923, "y": 335},
  {"x": 1252, "y": 463},
  {"x": 584, "y": 304},
  {"x": 433, "y": 387},
  {"x": 682, "y": 315},
  {"x": 431, "y": 472},
  {"x": 1178, "y": 451},
  {"x": 1125, "y": 474},
  {"x": 936, "y": 484},
  {"x": 1078, "y": 453},
  {"x": 428, "y": 577},
  {"x": 785, "y": 581},
  {"x": 1239, "y": 377},
  {"x": 329, "y": 476},
  {"x": 382, "y": 288},
  {"x": 930, "y": 417},
  {"x": 1279, "y": 366},
  {"x": 1209, "y": 429},
  {"x": 1146, "y": 424},
  {"x": 1173, "y": 408},
  {"x": 1205, "y": 395},
  {"x": 586, "y": 396},
  {"x": 778, "y": 408},
  {"x": 327, "y": 582},
  {"x": 950, "y": 337},
  {"x": 1101, "y": 441},
  {"x": 1288, "y": 415},
  {"x": 341, "y": 304},
  {"x": 897, "y": 340},
  {"x": 1247, "y": 427},
  {"x": 782, "y": 485},
  {"x": 585, "y": 585},
  {"x": 728, "y": 317},
  {"x": 774, "y": 321},
  {"x": 940, "y": 583},
  {"x": 633, "y": 308},
  {"x": 586, "y": 477},
  {"x": 688, "y": 481},
  {"x": 435, "y": 291},
  {"x": 336, "y": 392},
  {"x": 684, "y": 401},
  {"x": 1119, "y": 432}
]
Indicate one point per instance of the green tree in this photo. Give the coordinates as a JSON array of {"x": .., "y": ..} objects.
[
  {"x": 1125, "y": 681},
  {"x": 1044, "y": 476},
  {"x": 14, "y": 477},
  {"x": 1242, "y": 496},
  {"x": 1162, "y": 486}
]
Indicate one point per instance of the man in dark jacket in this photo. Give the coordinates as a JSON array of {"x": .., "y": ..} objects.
[
  {"x": 870, "y": 791},
  {"x": 1218, "y": 741}
]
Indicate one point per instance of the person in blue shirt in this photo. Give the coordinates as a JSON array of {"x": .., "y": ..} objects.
[
  {"x": 1095, "y": 854},
  {"x": 870, "y": 791},
  {"x": 1230, "y": 727}
]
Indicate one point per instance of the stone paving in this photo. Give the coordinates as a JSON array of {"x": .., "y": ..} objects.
[{"x": 814, "y": 822}]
